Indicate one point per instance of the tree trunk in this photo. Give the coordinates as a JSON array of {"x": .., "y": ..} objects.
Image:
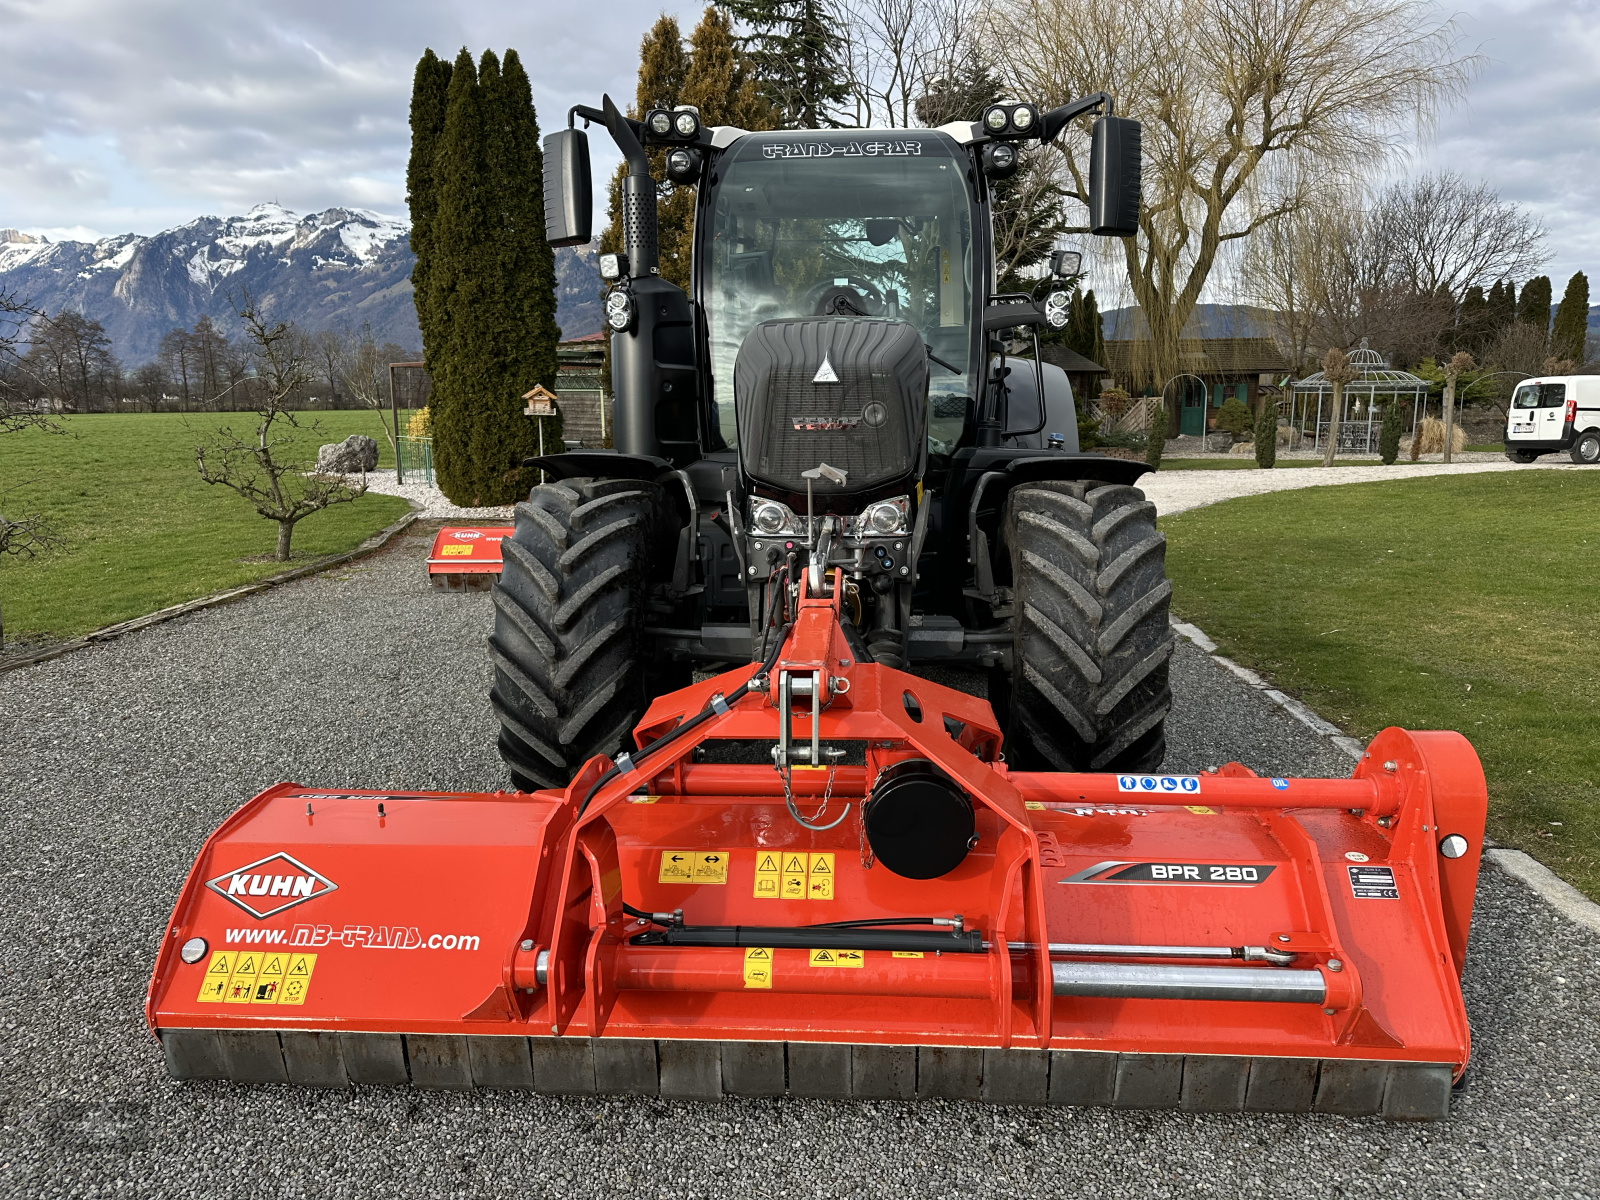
[
  {"x": 1449, "y": 414},
  {"x": 1333, "y": 425},
  {"x": 1416, "y": 432},
  {"x": 285, "y": 532}
]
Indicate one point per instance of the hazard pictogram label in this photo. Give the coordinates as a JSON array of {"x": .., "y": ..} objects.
[
  {"x": 269, "y": 980},
  {"x": 819, "y": 877},
  {"x": 693, "y": 866},
  {"x": 908, "y": 953},
  {"x": 769, "y": 879},
  {"x": 244, "y": 979},
  {"x": 214, "y": 987},
  {"x": 838, "y": 958},
  {"x": 758, "y": 967},
  {"x": 297, "y": 978},
  {"x": 710, "y": 867},
  {"x": 1200, "y": 810},
  {"x": 794, "y": 875}
]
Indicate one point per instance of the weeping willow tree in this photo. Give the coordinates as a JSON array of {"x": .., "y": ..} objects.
[{"x": 1247, "y": 107}]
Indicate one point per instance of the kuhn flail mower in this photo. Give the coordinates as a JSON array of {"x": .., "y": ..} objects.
[{"x": 813, "y": 873}]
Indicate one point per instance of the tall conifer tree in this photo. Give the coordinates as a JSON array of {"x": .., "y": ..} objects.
[
  {"x": 1501, "y": 309},
  {"x": 1533, "y": 306},
  {"x": 1472, "y": 321},
  {"x": 799, "y": 56},
  {"x": 493, "y": 281},
  {"x": 1570, "y": 331},
  {"x": 429, "y": 96}
]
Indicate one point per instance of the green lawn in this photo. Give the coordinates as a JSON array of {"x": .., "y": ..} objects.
[
  {"x": 140, "y": 530},
  {"x": 1465, "y": 602},
  {"x": 1247, "y": 462}
]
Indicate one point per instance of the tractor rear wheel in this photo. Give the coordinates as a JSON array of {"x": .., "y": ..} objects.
[
  {"x": 1088, "y": 689},
  {"x": 570, "y": 672}
]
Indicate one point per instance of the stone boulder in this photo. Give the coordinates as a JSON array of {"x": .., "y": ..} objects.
[
  {"x": 1219, "y": 441},
  {"x": 355, "y": 454}
]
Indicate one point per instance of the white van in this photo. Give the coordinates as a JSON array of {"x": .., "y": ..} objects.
[{"x": 1561, "y": 412}]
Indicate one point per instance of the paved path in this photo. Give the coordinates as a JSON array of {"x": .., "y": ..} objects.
[
  {"x": 1175, "y": 491},
  {"x": 120, "y": 759}
]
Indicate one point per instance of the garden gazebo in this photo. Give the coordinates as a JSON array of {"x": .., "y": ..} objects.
[{"x": 1376, "y": 384}]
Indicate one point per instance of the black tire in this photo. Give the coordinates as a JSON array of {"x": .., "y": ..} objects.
[
  {"x": 1521, "y": 456},
  {"x": 1089, "y": 689},
  {"x": 1586, "y": 450},
  {"x": 570, "y": 671}
]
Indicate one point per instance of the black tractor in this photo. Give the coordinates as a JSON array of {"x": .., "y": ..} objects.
[{"x": 842, "y": 387}]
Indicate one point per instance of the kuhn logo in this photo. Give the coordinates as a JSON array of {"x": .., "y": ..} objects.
[
  {"x": 270, "y": 885},
  {"x": 465, "y": 535}
]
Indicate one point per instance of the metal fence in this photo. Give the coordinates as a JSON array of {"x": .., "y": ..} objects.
[{"x": 416, "y": 460}]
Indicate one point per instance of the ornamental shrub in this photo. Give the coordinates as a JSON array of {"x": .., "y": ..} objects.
[
  {"x": 1389, "y": 432},
  {"x": 1267, "y": 435}
]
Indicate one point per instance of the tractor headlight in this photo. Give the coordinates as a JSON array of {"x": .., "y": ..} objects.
[
  {"x": 770, "y": 517},
  {"x": 619, "y": 310},
  {"x": 683, "y": 166},
  {"x": 687, "y": 123},
  {"x": 1055, "y": 310},
  {"x": 999, "y": 160},
  {"x": 886, "y": 516},
  {"x": 661, "y": 122}
]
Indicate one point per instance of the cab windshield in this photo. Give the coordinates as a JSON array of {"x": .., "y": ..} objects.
[{"x": 870, "y": 226}]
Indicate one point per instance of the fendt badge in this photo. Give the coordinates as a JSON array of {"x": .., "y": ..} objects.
[{"x": 269, "y": 885}]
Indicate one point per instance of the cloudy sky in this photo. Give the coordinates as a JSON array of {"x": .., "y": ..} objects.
[{"x": 136, "y": 115}]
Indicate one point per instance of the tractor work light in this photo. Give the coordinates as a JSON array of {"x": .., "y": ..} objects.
[
  {"x": 613, "y": 267},
  {"x": 687, "y": 122},
  {"x": 1011, "y": 119},
  {"x": 1055, "y": 310},
  {"x": 1064, "y": 264},
  {"x": 619, "y": 310},
  {"x": 660, "y": 122},
  {"x": 683, "y": 166},
  {"x": 681, "y": 124},
  {"x": 1000, "y": 160}
]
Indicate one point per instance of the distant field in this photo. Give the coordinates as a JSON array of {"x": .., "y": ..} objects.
[
  {"x": 1462, "y": 602},
  {"x": 140, "y": 530}
]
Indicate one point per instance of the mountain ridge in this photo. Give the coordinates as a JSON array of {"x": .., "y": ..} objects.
[{"x": 334, "y": 269}]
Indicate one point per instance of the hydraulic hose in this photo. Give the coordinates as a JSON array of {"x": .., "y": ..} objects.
[{"x": 631, "y": 762}]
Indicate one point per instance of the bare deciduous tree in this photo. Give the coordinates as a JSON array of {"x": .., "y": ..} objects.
[
  {"x": 1440, "y": 233},
  {"x": 363, "y": 367},
  {"x": 21, "y": 535},
  {"x": 1338, "y": 371},
  {"x": 266, "y": 469},
  {"x": 1249, "y": 107}
]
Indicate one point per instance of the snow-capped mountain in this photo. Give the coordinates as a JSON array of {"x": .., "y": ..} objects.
[{"x": 329, "y": 270}]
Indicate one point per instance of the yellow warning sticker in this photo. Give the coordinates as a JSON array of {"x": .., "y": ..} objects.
[
  {"x": 458, "y": 550},
  {"x": 1201, "y": 810},
  {"x": 908, "y": 953},
  {"x": 297, "y": 978},
  {"x": 794, "y": 876},
  {"x": 838, "y": 958},
  {"x": 819, "y": 877},
  {"x": 676, "y": 866},
  {"x": 1034, "y": 804},
  {"x": 269, "y": 980},
  {"x": 769, "y": 879},
  {"x": 758, "y": 967},
  {"x": 710, "y": 867},
  {"x": 244, "y": 979},
  {"x": 693, "y": 866},
  {"x": 214, "y": 987},
  {"x": 643, "y": 799}
]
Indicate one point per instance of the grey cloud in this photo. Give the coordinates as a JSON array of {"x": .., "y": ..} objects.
[{"x": 217, "y": 106}]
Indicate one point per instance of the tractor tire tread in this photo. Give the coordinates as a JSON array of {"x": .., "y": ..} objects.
[
  {"x": 1090, "y": 689},
  {"x": 570, "y": 667}
]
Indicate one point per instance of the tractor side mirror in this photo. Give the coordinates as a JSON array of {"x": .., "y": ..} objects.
[
  {"x": 1114, "y": 162},
  {"x": 568, "y": 188}
]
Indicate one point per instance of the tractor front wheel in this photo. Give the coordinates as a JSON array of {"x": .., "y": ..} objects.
[
  {"x": 1088, "y": 689},
  {"x": 570, "y": 672}
]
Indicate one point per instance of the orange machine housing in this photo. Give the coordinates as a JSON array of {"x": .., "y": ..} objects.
[
  {"x": 456, "y": 939},
  {"x": 466, "y": 556}
]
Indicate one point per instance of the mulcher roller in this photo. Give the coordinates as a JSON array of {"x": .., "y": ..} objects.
[{"x": 673, "y": 927}]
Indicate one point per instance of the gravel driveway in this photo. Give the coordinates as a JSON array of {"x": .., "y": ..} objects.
[{"x": 120, "y": 759}]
